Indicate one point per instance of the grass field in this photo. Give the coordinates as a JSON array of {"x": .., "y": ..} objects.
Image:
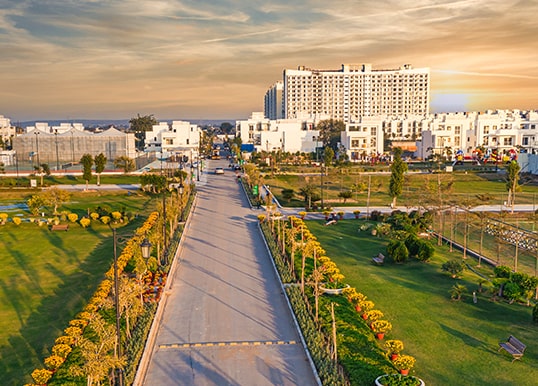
[
  {"x": 455, "y": 343},
  {"x": 46, "y": 278},
  {"x": 464, "y": 187}
]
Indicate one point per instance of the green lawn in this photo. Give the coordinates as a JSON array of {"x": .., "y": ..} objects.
[
  {"x": 464, "y": 187},
  {"x": 455, "y": 343},
  {"x": 46, "y": 278}
]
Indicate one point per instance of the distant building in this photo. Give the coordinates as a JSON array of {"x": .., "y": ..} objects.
[
  {"x": 58, "y": 148},
  {"x": 274, "y": 102},
  {"x": 7, "y": 132},
  {"x": 178, "y": 138},
  {"x": 286, "y": 135},
  {"x": 352, "y": 92}
]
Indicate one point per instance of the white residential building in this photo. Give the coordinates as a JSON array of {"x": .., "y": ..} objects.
[
  {"x": 274, "y": 101},
  {"x": 7, "y": 132},
  {"x": 287, "y": 135},
  {"x": 355, "y": 91},
  {"x": 363, "y": 140},
  {"x": 178, "y": 138}
]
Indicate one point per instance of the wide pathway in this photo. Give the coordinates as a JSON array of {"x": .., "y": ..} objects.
[{"x": 226, "y": 320}]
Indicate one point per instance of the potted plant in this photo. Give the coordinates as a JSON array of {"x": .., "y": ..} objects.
[
  {"x": 326, "y": 213},
  {"x": 302, "y": 214},
  {"x": 380, "y": 327},
  {"x": 372, "y": 315},
  {"x": 398, "y": 380},
  {"x": 394, "y": 347},
  {"x": 404, "y": 363},
  {"x": 366, "y": 305},
  {"x": 357, "y": 213},
  {"x": 340, "y": 215}
]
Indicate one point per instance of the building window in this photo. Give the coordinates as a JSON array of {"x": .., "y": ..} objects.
[
  {"x": 507, "y": 141},
  {"x": 354, "y": 143}
]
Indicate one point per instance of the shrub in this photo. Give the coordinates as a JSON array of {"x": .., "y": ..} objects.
[
  {"x": 394, "y": 346},
  {"x": 41, "y": 376},
  {"x": 502, "y": 271},
  {"x": 3, "y": 218},
  {"x": 94, "y": 216},
  {"x": 16, "y": 220},
  {"x": 381, "y": 326},
  {"x": 398, "y": 251},
  {"x": 535, "y": 313},
  {"x": 85, "y": 222},
  {"x": 116, "y": 216},
  {"x": 73, "y": 217},
  {"x": 512, "y": 291},
  {"x": 425, "y": 250},
  {"x": 105, "y": 219},
  {"x": 454, "y": 267},
  {"x": 398, "y": 380},
  {"x": 404, "y": 362},
  {"x": 54, "y": 361}
]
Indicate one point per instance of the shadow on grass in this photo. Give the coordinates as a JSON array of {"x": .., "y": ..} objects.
[{"x": 27, "y": 350}]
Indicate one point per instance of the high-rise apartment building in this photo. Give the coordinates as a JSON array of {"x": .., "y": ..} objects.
[
  {"x": 354, "y": 92},
  {"x": 274, "y": 101}
]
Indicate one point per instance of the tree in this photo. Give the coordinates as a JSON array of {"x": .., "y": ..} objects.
[
  {"x": 329, "y": 132},
  {"x": 100, "y": 163},
  {"x": 87, "y": 161},
  {"x": 35, "y": 203},
  {"x": 140, "y": 125},
  {"x": 287, "y": 194},
  {"x": 345, "y": 195},
  {"x": 398, "y": 169},
  {"x": 310, "y": 194},
  {"x": 453, "y": 267},
  {"x": 55, "y": 197},
  {"x": 512, "y": 177},
  {"x": 42, "y": 170},
  {"x": 124, "y": 163}
]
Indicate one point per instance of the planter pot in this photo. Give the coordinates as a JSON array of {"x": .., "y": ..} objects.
[
  {"x": 380, "y": 335},
  {"x": 332, "y": 291},
  {"x": 404, "y": 371},
  {"x": 364, "y": 316},
  {"x": 358, "y": 308},
  {"x": 379, "y": 380},
  {"x": 393, "y": 356}
]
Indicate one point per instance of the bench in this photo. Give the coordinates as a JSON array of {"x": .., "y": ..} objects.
[
  {"x": 59, "y": 227},
  {"x": 514, "y": 347},
  {"x": 379, "y": 259}
]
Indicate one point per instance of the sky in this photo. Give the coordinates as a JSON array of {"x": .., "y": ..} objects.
[{"x": 199, "y": 59}]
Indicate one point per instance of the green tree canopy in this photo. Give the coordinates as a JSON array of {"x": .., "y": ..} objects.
[
  {"x": 125, "y": 163},
  {"x": 329, "y": 132},
  {"x": 100, "y": 163},
  {"x": 398, "y": 169},
  {"x": 140, "y": 125},
  {"x": 87, "y": 162},
  {"x": 512, "y": 178}
]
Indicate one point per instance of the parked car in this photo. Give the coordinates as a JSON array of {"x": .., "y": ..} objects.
[{"x": 219, "y": 171}]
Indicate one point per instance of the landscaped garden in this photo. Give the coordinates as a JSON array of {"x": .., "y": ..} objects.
[
  {"x": 47, "y": 277},
  {"x": 454, "y": 342}
]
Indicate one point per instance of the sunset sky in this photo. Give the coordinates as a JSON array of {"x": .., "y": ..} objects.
[{"x": 114, "y": 59}]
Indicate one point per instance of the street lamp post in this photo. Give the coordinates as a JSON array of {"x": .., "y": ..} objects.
[
  {"x": 180, "y": 189},
  {"x": 36, "y": 132},
  {"x": 117, "y": 305},
  {"x": 56, "y": 139}
]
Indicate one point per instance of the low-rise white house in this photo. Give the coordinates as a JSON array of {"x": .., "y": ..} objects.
[
  {"x": 178, "y": 138},
  {"x": 286, "y": 135},
  {"x": 363, "y": 140}
]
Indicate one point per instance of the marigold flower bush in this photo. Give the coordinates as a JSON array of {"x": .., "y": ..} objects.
[
  {"x": 64, "y": 344},
  {"x": 72, "y": 217}
]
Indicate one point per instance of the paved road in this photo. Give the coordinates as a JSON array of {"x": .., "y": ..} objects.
[{"x": 226, "y": 321}]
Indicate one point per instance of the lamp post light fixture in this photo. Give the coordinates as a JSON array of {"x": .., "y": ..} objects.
[
  {"x": 117, "y": 305},
  {"x": 145, "y": 247},
  {"x": 180, "y": 190},
  {"x": 36, "y": 132},
  {"x": 56, "y": 138}
]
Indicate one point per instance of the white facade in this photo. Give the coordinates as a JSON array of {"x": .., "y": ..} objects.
[
  {"x": 363, "y": 140},
  {"x": 7, "y": 132},
  {"x": 287, "y": 135},
  {"x": 179, "y": 137},
  {"x": 274, "y": 101},
  {"x": 356, "y": 91}
]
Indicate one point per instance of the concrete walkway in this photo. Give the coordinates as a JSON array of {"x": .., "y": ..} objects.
[{"x": 226, "y": 320}]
